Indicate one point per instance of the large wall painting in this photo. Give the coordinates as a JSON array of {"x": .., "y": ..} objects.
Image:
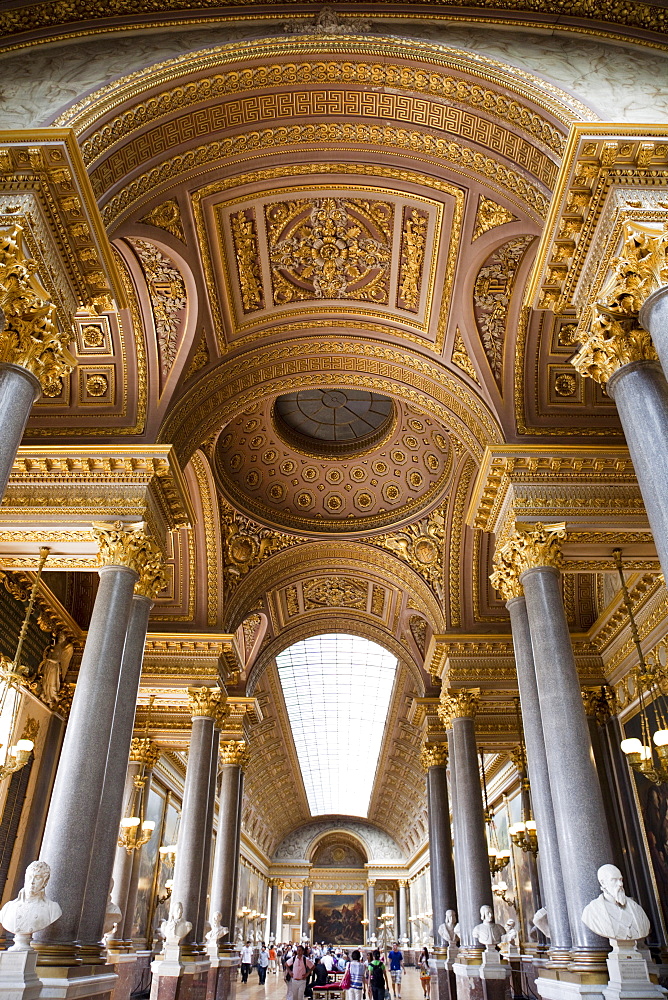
[{"x": 338, "y": 918}]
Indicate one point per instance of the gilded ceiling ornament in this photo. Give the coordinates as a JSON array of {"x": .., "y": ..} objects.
[
  {"x": 506, "y": 576},
  {"x": 458, "y": 705},
  {"x": 330, "y": 248},
  {"x": 615, "y": 336},
  {"x": 600, "y": 702},
  {"x": 418, "y": 627},
  {"x": 200, "y": 358},
  {"x": 167, "y": 292},
  {"x": 235, "y": 752},
  {"x": 250, "y": 627},
  {"x": 246, "y": 544},
  {"x": 166, "y": 216},
  {"x": 29, "y": 337},
  {"x": 152, "y": 576},
  {"x": 460, "y": 357},
  {"x": 434, "y": 755},
  {"x": 124, "y": 545},
  {"x": 413, "y": 243},
  {"x": 145, "y": 751},
  {"x": 491, "y": 298},
  {"x": 421, "y": 545},
  {"x": 490, "y": 215},
  {"x": 529, "y": 546},
  {"x": 244, "y": 236},
  {"x": 205, "y": 702},
  {"x": 328, "y": 22},
  {"x": 335, "y": 592}
]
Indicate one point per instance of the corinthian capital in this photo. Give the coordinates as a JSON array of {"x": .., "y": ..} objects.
[
  {"x": 205, "y": 702},
  {"x": 506, "y": 575},
  {"x": 152, "y": 578},
  {"x": 145, "y": 751},
  {"x": 234, "y": 752},
  {"x": 29, "y": 336},
  {"x": 529, "y": 546},
  {"x": 125, "y": 545},
  {"x": 615, "y": 336},
  {"x": 458, "y": 705},
  {"x": 434, "y": 755}
]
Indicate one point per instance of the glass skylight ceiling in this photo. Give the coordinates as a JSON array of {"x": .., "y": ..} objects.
[{"x": 337, "y": 689}]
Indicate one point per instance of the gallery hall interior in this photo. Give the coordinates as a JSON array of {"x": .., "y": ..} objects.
[{"x": 333, "y": 500}]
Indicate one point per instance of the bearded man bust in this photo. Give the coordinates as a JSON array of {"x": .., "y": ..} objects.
[{"x": 613, "y": 914}]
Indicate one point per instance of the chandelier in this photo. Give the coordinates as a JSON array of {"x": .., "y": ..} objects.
[
  {"x": 135, "y": 831},
  {"x": 649, "y": 754},
  {"x": 12, "y": 675},
  {"x": 498, "y": 857},
  {"x": 523, "y": 834}
]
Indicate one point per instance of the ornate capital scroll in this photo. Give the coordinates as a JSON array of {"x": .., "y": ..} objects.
[
  {"x": 506, "y": 576},
  {"x": 529, "y": 546},
  {"x": 458, "y": 705},
  {"x": 152, "y": 578},
  {"x": 145, "y": 751},
  {"x": 599, "y": 702},
  {"x": 518, "y": 757},
  {"x": 29, "y": 336},
  {"x": 125, "y": 545},
  {"x": 235, "y": 752},
  {"x": 616, "y": 337},
  {"x": 205, "y": 702},
  {"x": 434, "y": 755}
]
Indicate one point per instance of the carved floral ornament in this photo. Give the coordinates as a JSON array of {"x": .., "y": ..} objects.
[
  {"x": 235, "y": 753},
  {"x": 615, "y": 336},
  {"x": 131, "y": 546},
  {"x": 145, "y": 751},
  {"x": 527, "y": 547},
  {"x": 29, "y": 336},
  {"x": 458, "y": 705},
  {"x": 206, "y": 702},
  {"x": 434, "y": 755}
]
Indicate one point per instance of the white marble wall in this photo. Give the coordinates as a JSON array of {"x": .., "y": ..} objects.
[{"x": 620, "y": 83}]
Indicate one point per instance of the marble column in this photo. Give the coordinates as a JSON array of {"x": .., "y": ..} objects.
[
  {"x": 91, "y": 924},
  {"x": 208, "y": 838},
  {"x": 19, "y": 390},
  {"x": 274, "y": 930},
  {"x": 144, "y": 755},
  {"x": 403, "y": 911},
  {"x": 434, "y": 759},
  {"x": 233, "y": 759},
  {"x": 306, "y": 910},
  {"x": 371, "y": 907},
  {"x": 582, "y": 834},
  {"x": 475, "y": 885},
  {"x": 69, "y": 836},
  {"x": 507, "y": 583},
  {"x": 205, "y": 706}
]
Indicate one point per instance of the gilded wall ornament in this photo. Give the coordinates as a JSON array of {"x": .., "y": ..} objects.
[
  {"x": 328, "y": 22},
  {"x": 506, "y": 576},
  {"x": 489, "y": 216},
  {"x": 615, "y": 337},
  {"x": 413, "y": 245},
  {"x": 200, "y": 358},
  {"x": 152, "y": 576},
  {"x": 330, "y": 248},
  {"x": 460, "y": 357},
  {"x": 458, "y": 705},
  {"x": 421, "y": 545},
  {"x": 244, "y": 237},
  {"x": 145, "y": 751},
  {"x": 206, "y": 702},
  {"x": 418, "y": 627},
  {"x": 246, "y": 544},
  {"x": 29, "y": 337},
  {"x": 491, "y": 298},
  {"x": 166, "y": 216},
  {"x": 335, "y": 592},
  {"x": 600, "y": 702},
  {"x": 434, "y": 755},
  {"x": 167, "y": 292},
  {"x": 125, "y": 545}
]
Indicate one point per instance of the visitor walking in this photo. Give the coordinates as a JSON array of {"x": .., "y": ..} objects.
[
  {"x": 356, "y": 971},
  {"x": 246, "y": 961},
  {"x": 298, "y": 967},
  {"x": 378, "y": 978},
  {"x": 396, "y": 959},
  {"x": 262, "y": 964},
  {"x": 425, "y": 973}
]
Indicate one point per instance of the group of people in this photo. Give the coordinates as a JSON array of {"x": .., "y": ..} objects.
[{"x": 306, "y": 967}]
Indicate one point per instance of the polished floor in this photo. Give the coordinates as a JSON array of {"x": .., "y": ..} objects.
[{"x": 276, "y": 989}]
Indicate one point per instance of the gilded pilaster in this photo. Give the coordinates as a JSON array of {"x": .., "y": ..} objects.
[
  {"x": 29, "y": 336},
  {"x": 152, "y": 578}
]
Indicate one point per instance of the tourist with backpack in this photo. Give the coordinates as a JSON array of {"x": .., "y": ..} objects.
[{"x": 379, "y": 980}]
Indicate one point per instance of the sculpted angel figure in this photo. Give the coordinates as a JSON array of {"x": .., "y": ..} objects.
[{"x": 53, "y": 668}]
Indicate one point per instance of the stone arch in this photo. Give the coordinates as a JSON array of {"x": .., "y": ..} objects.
[{"x": 332, "y": 839}]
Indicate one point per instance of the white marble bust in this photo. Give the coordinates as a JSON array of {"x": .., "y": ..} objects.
[
  {"x": 613, "y": 914},
  {"x": 112, "y": 914},
  {"x": 488, "y": 932},
  {"x": 217, "y": 930},
  {"x": 540, "y": 920},
  {"x": 31, "y": 911},
  {"x": 510, "y": 940},
  {"x": 175, "y": 928},
  {"x": 447, "y": 930}
]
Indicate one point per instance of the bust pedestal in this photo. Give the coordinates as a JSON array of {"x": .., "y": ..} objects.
[
  {"x": 629, "y": 977},
  {"x": 18, "y": 978}
]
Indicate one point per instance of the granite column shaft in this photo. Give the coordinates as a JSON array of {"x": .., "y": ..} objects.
[
  {"x": 223, "y": 895},
  {"x": 541, "y": 796},
  {"x": 441, "y": 864},
  {"x": 208, "y": 838},
  {"x": 19, "y": 390}
]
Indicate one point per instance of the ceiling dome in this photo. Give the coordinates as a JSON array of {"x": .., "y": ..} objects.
[{"x": 333, "y": 421}]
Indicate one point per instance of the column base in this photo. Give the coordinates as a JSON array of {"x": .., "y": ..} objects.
[
  {"x": 125, "y": 967},
  {"x": 18, "y": 979},
  {"x": 564, "y": 985},
  {"x": 76, "y": 982},
  {"x": 629, "y": 975},
  {"x": 179, "y": 977},
  {"x": 222, "y": 978},
  {"x": 444, "y": 981},
  {"x": 482, "y": 982}
]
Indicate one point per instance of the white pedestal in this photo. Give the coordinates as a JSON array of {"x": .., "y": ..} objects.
[
  {"x": 18, "y": 979},
  {"x": 492, "y": 966},
  {"x": 557, "y": 989},
  {"x": 629, "y": 976}
]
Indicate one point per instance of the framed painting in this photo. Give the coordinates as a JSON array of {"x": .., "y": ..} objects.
[{"x": 338, "y": 917}]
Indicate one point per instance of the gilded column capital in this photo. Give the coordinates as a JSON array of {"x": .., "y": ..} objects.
[
  {"x": 506, "y": 576},
  {"x": 370, "y": 883},
  {"x": 234, "y": 752},
  {"x": 29, "y": 336},
  {"x": 599, "y": 702},
  {"x": 458, "y": 705},
  {"x": 403, "y": 883},
  {"x": 434, "y": 755},
  {"x": 125, "y": 545},
  {"x": 518, "y": 757},
  {"x": 152, "y": 577},
  {"x": 145, "y": 751},
  {"x": 528, "y": 547},
  {"x": 205, "y": 702},
  {"x": 615, "y": 336}
]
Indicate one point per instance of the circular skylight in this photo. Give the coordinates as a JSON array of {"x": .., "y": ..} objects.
[{"x": 333, "y": 419}]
